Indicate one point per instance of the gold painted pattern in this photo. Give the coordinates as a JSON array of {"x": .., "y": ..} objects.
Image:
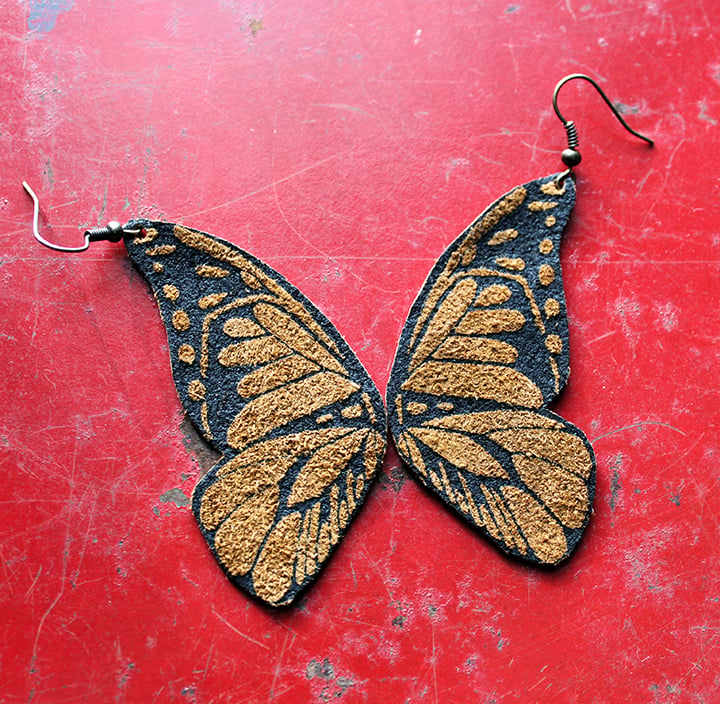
[
  {"x": 514, "y": 264},
  {"x": 211, "y": 272},
  {"x": 212, "y": 300},
  {"x": 507, "y": 205},
  {"x": 546, "y": 274},
  {"x": 502, "y": 237},
  {"x": 546, "y": 246},
  {"x": 171, "y": 292},
  {"x": 161, "y": 250},
  {"x": 552, "y": 308},
  {"x": 181, "y": 320},
  {"x": 186, "y": 354}
]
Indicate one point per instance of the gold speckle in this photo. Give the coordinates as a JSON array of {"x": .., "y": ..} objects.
[
  {"x": 181, "y": 320},
  {"x": 546, "y": 274},
  {"x": 516, "y": 264},
  {"x": 242, "y": 327},
  {"x": 445, "y": 406},
  {"x": 552, "y": 308},
  {"x": 484, "y": 322},
  {"x": 325, "y": 418},
  {"x": 196, "y": 390},
  {"x": 550, "y": 220},
  {"x": 186, "y": 354},
  {"x": 553, "y": 344},
  {"x": 503, "y": 236},
  {"x": 211, "y": 272},
  {"x": 250, "y": 280},
  {"x": 212, "y": 300},
  {"x": 469, "y": 252},
  {"x": 171, "y": 292},
  {"x": 160, "y": 250},
  {"x": 415, "y": 409},
  {"x": 354, "y": 411},
  {"x": 149, "y": 235},
  {"x": 551, "y": 188},
  {"x": 255, "y": 26},
  {"x": 537, "y": 206},
  {"x": 258, "y": 350},
  {"x": 158, "y": 267},
  {"x": 493, "y": 295},
  {"x": 546, "y": 246}
]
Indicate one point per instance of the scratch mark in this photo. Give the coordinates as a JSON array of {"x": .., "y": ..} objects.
[
  {"x": 601, "y": 337},
  {"x": 240, "y": 633},
  {"x": 32, "y": 586},
  {"x": 703, "y": 114},
  {"x": 614, "y": 488},
  {"x": 51, "y": 607},
  {"x": 343, "y": 106},
  {"x": 434, "y": 659},
  {"x": 267, "y": 186},
  {"x": 638, "y": 425},
  {"x": 276, "y": 674}
]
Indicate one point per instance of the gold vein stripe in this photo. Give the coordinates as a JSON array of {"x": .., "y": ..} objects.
[
  {"x": 288, "y": 403},
  {"x": 211, "y": 272},
  {"x": 538, "y": 206},
  {"x": 461, "y": 451},
  {"x": 481, "y": 381},
  {"x": 257, "y": 350},
  {"x": 275, "y": 374},
  {"x": 493, "y": 295},
  {"x": 502, "y": 237},
  {"x": 476, "y": 349},
  {"x": 484, "y": 322},
  {"x": 242, "y": 327}
]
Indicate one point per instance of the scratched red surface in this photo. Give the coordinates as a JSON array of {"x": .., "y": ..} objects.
[{"x": 347, "y": 144}]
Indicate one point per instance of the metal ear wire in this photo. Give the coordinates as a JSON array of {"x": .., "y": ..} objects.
[
  {"x": 571, "y": 156},
  {"x": 112, "y": 232}
]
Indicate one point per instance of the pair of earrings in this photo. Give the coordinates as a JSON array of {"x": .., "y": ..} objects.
[{"x": 271, "y": 384}]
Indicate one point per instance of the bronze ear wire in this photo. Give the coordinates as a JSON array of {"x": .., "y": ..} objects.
[
  {"x": 571, "y": 157},
  {"x": 112, "y": 232}
]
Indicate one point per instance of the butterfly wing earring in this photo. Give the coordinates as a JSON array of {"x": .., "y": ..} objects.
[
  {"x": 271, "y": 384},
  {"x": 483, "y": 352}
]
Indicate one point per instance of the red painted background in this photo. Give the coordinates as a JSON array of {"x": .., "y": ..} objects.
[{"x": 346, "y": 144}]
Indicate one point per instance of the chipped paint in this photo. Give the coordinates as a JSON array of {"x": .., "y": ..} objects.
[
  {"x": 176, "y": 496},
  {"x": 43, "y": 14}
]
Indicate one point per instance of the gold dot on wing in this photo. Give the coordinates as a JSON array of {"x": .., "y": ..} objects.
[
  {"x": 181, "y": 320},
  {"x": 171, "y": 292},
  {"x": 546, "y": 246},
  {"x": 196, "y": 390},
  {"x": 552, "y": 308},
  {"x": 546, "y": 274},
  {"x": 186, "y": 354},
  {"x": 553, "y": 343}
]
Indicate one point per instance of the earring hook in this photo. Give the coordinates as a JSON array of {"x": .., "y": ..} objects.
[
  {"x": 112, "y": 232},
  {"x": 571, "y": 156}
]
